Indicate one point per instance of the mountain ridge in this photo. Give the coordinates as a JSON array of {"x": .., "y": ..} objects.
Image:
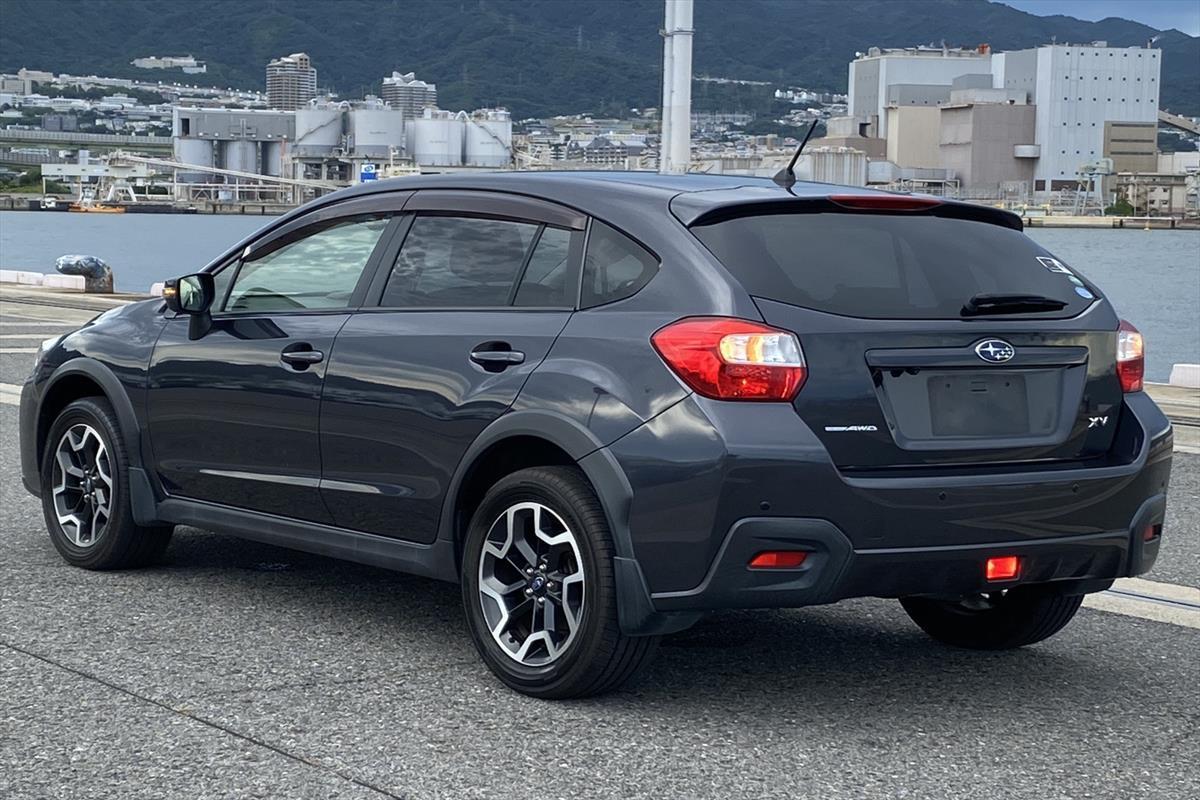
[{"x": 541, "y": 57}]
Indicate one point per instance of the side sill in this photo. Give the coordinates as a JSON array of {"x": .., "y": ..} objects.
[{"x": 434, "y": 560}]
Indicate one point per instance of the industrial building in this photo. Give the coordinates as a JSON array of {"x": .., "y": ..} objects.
[
  {"x": 291, "y": 82},
  {"x": 408, "y": 94},
  {"x": 1027, "y": 123}
]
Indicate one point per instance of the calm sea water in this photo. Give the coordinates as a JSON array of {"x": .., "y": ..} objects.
[{"x": 1153, "y": 277}]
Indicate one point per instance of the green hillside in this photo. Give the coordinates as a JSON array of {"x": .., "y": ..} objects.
[{"x": 538, "y": 56}]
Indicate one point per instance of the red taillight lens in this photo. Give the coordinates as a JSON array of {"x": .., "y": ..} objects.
[
  {"x": 733, "y": 359},
  {"x": 1131, "y": 357},
  {"x": 1003, "y": 568},
  {"x": 778, "y": 559},
  {"x": 884, "y": 202}
]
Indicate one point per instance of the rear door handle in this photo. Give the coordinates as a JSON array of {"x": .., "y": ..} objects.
[
  {"x": 301, "y": 356},
  {"x": 497, "y": 359}
]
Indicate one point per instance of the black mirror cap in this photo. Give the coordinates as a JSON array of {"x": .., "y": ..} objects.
[{"x": 191, "y": 294}]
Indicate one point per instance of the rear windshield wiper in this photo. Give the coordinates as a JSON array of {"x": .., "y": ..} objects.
[{"x": 1009, "y": 304}]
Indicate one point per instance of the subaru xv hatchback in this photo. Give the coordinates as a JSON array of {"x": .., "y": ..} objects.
[{"x": 607, "y": 404}]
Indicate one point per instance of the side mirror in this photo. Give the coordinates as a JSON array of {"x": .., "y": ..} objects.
[{"x": 191, "y": 294}]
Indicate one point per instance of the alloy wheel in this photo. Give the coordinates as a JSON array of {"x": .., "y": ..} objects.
[
  {"x": 531, "y": 584},
  {"x": 83, "y": 485}
]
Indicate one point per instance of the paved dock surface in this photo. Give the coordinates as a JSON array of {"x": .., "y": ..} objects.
[{"x": 238, "y": 670}]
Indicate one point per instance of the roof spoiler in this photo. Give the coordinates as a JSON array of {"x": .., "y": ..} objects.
[{"x": 699, "y": 208}]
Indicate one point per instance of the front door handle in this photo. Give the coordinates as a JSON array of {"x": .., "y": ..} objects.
[{"x": 301, "y": 356}]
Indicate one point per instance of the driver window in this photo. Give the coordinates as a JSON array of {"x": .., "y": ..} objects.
[{"x": 319, "y": 270}]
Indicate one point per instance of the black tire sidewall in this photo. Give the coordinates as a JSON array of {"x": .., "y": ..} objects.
[
  {"x": 598, "y": 593},
  {"x": 114, "y": 540}
]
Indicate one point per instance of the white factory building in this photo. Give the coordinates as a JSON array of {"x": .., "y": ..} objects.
[{"x": 1035, "y": 119}]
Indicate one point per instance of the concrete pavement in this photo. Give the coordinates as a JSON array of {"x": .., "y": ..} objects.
[{"x": 237, "y": 669}]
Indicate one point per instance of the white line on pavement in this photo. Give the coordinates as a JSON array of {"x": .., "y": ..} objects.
[
  {"x": 7, "y": 337},
  {"x": 8, "y": 350},
  {"x": 33, "y": 323}
]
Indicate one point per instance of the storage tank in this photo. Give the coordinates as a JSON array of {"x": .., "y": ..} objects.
[
  {"x": 240, "y": 155},
  {"x": 374, "y": 131},
  {"x": 272, "y": 158},
  {"x": 318, "y": 131},
  {"x": 436, "y": 139},
  {"x": 841, "y": 165},
  {"x": 194, "y": 151},
  {"x": 489, "y": 138}
]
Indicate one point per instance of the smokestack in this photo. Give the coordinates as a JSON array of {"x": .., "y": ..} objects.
[{"x": 675, "y": 152}]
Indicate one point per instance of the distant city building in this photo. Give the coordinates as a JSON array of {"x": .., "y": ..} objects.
[
  {"x": 60, "y": 122},
  {"x": 291, "y": 82},
  {"x": 186, "y": 63},
  {"x": 408, "y": 94}
]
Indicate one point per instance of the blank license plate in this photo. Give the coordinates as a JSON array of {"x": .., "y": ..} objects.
[{"x": 978, "y": 404}]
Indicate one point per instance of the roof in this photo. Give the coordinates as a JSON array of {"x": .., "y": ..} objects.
[{"x": 690, "y": 196}]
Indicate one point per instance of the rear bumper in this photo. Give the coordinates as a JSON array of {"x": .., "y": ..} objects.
[
  {"x": 744, "y": 479},
  {"x": 834, "y": 570}
]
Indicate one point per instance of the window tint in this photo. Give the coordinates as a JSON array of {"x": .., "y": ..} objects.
[
  {"x": 887, "y": 266},
  {"x": 615, "y": 266},
  {"x": 458, "y": 261},
  {"x": 547, "y": 279},
  {"x": 317, "y": 271}
]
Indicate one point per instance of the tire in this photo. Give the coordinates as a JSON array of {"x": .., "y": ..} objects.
[
  {"x": 994, "y": 622},
  {"x": 115, "y": 541},
  {"x": 592, "y": 656}
]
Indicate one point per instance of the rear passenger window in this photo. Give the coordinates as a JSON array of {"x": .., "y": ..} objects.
[
  {"x": 453, "y": 262},
  {"x": 615, "y": 266},
  {"x": 548, "y": 280}
]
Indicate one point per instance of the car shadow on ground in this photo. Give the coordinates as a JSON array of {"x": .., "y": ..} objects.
[{"x": 775, "y": 662}]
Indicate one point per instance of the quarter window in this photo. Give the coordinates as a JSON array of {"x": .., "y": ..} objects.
[
  {"x": 455, "y": 262},
  {"x": 319, "y": 270},
  {"x": 548, "y": 279},
  {"x": 615, "y": 266}
]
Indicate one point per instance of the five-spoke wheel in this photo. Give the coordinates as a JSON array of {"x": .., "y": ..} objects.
[
  {"x": 531, "y": 583},
  {"x": 82, "y": 485}
]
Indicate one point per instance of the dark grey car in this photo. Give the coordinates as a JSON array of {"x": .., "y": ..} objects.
[{"x": 608, "y": 403}]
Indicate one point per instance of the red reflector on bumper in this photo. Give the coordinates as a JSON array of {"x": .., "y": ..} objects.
[
  {"x": 1003, "y": 568},
  {"x": 1151, "y": 532},
  {"x": 778, "y": 559}
]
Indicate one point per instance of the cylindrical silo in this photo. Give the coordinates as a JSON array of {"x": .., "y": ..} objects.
[
  {"x": 436, "y": 139},
  {"x": 240, "y": 155},
  {"x": 272, "y": 158},
  {"x": 194, "y": 151},
  {"x": 489, "y": 139},
  {"x": 375, "y": 131}
]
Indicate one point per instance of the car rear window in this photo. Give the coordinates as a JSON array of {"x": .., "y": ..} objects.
[{"x": 888, "y": 266}]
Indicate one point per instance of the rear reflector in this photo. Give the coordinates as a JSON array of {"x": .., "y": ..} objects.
[
  {"x": 1003, "y": 568},
  {"x": 1131, "y": 357},
  {"x": 778, "y": 559},
  {"x": 733, "y": 359},
  {"x": 1151, "y": 532},
  {"x": 884, "y": 202}
]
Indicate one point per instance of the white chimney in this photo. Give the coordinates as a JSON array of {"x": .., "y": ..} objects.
[{"x": 675, "y": 155}]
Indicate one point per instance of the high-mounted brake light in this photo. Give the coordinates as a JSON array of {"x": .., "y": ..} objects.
[
  {"x": 733, "y": 359},
  {"x": 1131, "y": 357},
  {"x": 884, "y": 202}
]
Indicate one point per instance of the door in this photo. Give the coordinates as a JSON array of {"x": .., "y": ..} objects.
[
  {"x": 469, "y": 307},
  {"x": 233, "y": 414}
]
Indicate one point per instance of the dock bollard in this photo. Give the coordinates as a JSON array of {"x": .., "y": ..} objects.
[{"x": 97, "y": 275}]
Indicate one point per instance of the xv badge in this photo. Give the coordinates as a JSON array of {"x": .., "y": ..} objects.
[{"x": 1097, "y": 422}]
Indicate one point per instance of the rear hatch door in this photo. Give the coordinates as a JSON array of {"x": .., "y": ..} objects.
[{"x": 900, "y": 375}]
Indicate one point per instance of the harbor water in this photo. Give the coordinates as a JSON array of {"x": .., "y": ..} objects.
[{"x": 1152, "y": 277}]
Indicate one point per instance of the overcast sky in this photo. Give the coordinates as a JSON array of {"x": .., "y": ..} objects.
[{"x": 1161, "y": 14}]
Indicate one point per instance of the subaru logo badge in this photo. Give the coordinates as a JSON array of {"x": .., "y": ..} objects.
[{"x": 995, "y": 351}]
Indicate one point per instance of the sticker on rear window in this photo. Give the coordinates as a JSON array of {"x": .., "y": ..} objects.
[{"x": 1054, "y": 265}]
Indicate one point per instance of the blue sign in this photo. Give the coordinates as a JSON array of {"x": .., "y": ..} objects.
[{"x": 367, "y": 173}]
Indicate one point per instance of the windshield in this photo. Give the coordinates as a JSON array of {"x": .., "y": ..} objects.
[{"x": 889, "y": 266}]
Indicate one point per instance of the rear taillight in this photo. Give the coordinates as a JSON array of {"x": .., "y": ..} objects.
[
  {"x": 733, "y": 359},
  {"x": 1131, "y": 357}
]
